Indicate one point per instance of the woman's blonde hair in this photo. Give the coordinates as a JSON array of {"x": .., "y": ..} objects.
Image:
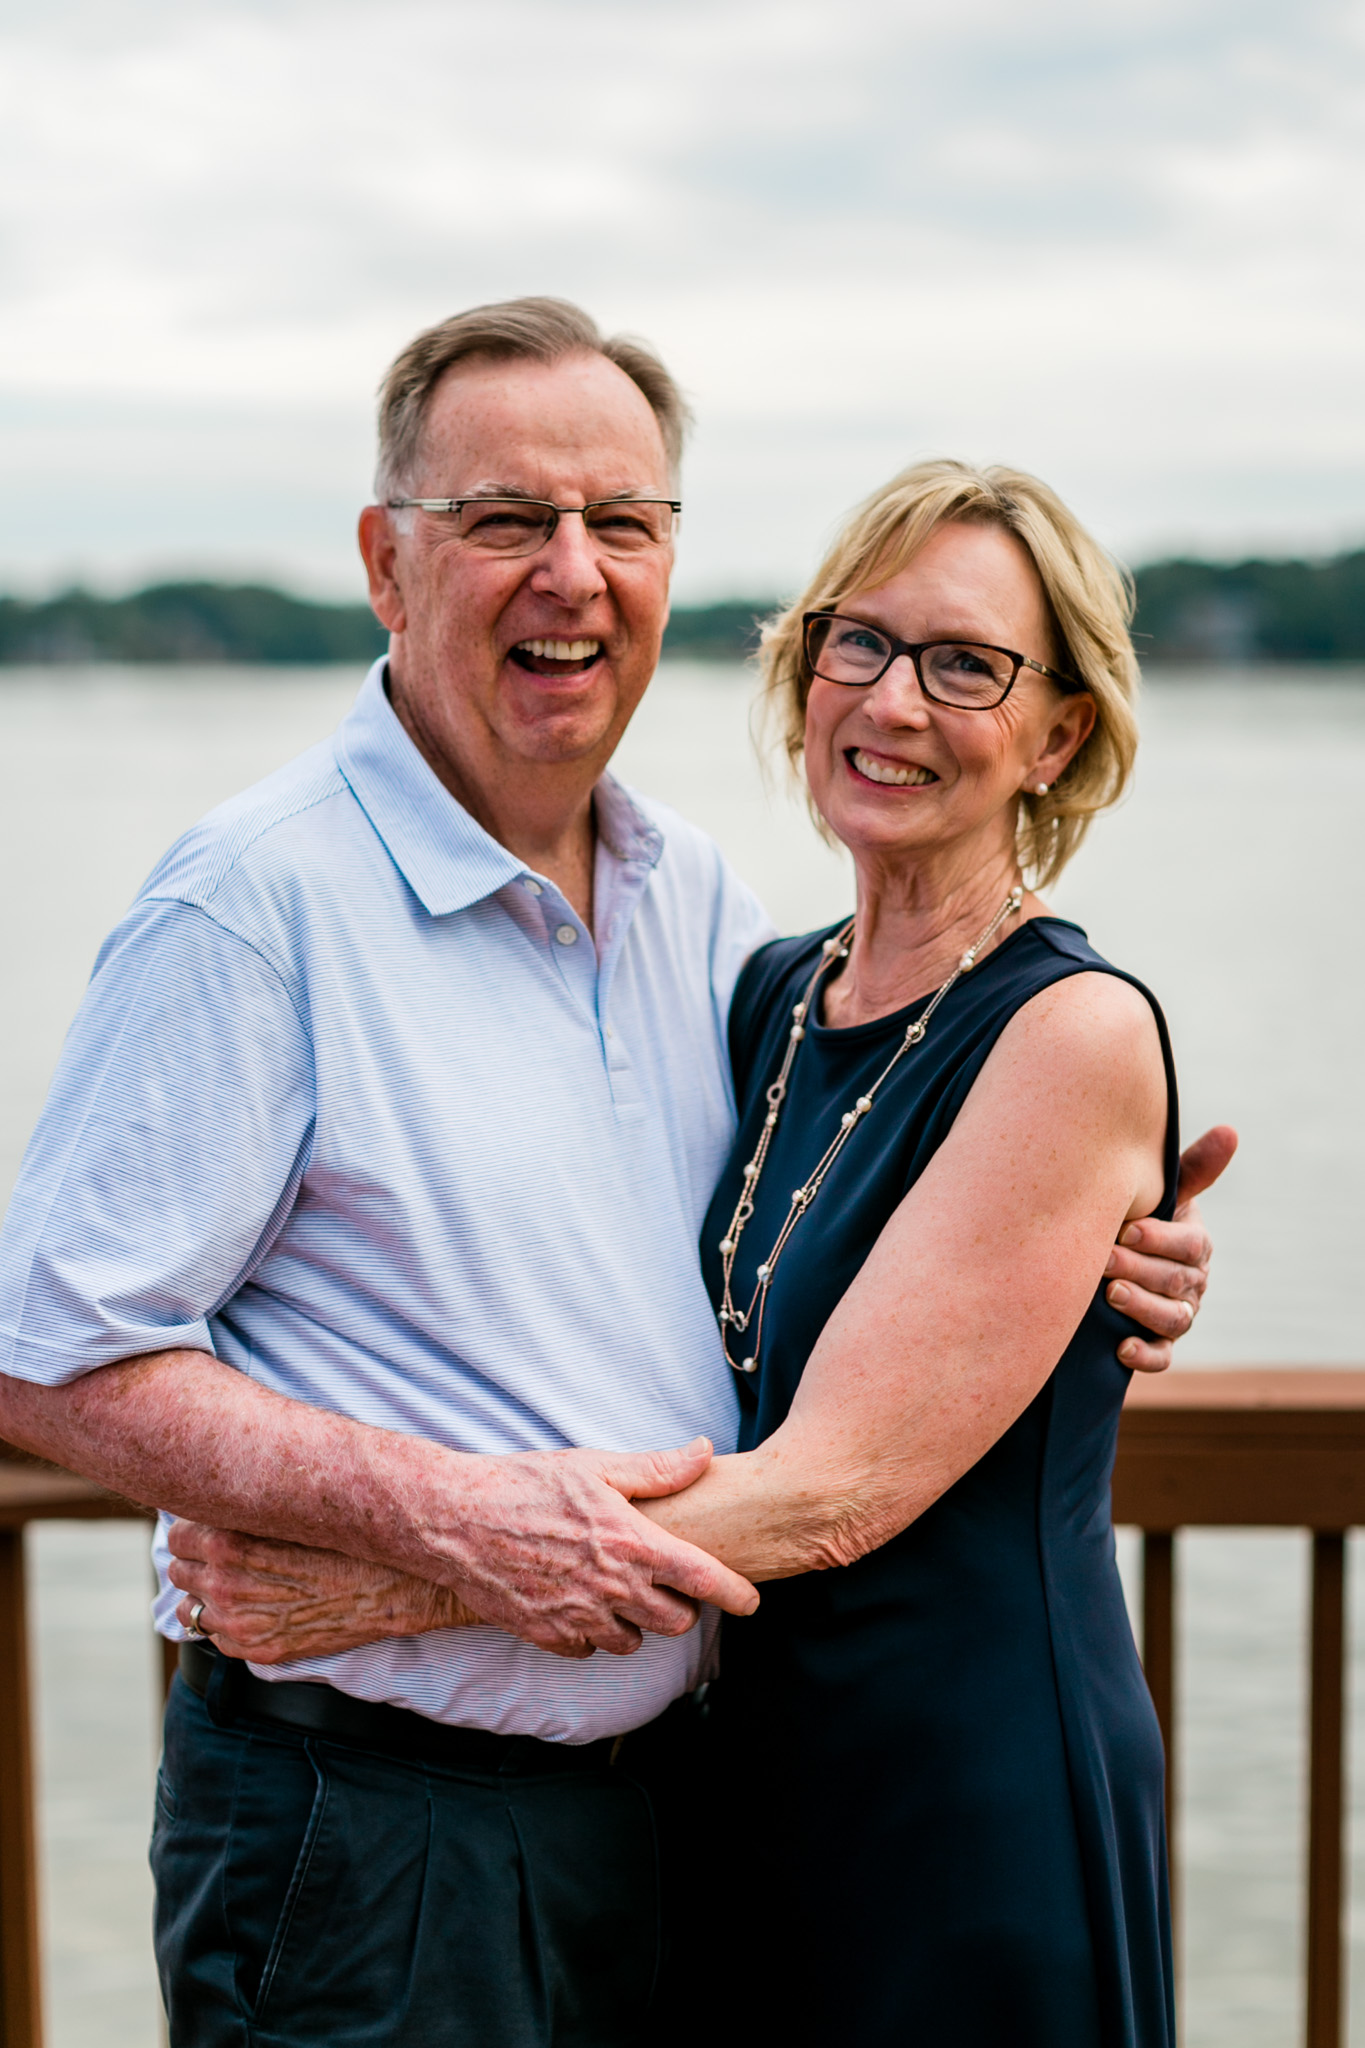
[{"x": 1089, "y": 594}]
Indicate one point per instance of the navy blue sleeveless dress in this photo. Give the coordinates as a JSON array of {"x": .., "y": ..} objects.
[{"x": 941, "y": 1816}]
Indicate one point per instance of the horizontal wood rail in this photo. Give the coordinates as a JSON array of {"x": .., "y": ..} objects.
[
  {"x": 1277, "y": 1448},
  {"x": 1281, "y": 1448}
]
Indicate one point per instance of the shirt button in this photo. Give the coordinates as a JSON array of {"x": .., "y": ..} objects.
[
  {"x": 534, "y": 887},
  {"x": 566, "y": 935},
  {"x": 610, "y": 1032}
]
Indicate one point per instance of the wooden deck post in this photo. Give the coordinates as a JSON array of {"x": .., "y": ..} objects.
[
  {"x": 1326, "y": 1789},
  {"x": 1268, "y": 1448},
  {"x": 20, "y": 1980},
  {"x": 1158, "y": 1648}
]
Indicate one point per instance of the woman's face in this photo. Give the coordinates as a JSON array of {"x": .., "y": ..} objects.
[{"x": 897, "y": 776}]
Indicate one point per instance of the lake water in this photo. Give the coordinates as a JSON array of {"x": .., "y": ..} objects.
[{"x": 1230, "y": 881}]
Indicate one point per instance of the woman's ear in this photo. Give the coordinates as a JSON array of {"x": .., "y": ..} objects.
[{"x": 1072, "y": 724}]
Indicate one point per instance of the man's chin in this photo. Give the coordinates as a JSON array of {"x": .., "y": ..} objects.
[
  {"x": 558, "y": 737},
  {"x": 560, "y": 718}
]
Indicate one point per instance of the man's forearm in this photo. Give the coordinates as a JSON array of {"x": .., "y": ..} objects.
[
  {"x": 544, "y": 1544},
  {"x": 182, "y": 1431}
]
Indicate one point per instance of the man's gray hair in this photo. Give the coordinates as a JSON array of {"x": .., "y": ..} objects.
[{"x": 531, "y": 330}]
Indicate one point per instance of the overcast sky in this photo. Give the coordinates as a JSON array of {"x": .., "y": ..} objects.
[{"x": 1117, "y": 241}]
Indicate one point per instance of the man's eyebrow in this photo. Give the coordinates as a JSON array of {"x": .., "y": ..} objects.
[
  {"x": 497, "y": 490},
  {"x": 493, "y": 489}
]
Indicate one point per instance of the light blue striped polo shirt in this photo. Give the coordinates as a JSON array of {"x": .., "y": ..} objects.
[{"x": 355, "y": 1102}]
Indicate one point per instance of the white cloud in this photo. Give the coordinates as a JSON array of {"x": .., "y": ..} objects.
[{"x": 1120, "y": 242}]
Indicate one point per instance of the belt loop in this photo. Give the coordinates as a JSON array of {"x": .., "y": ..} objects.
[{"x": 223, "y": 1694}]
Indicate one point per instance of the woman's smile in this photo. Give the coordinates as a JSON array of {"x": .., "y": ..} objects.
[{"x": 886, "y": 770}]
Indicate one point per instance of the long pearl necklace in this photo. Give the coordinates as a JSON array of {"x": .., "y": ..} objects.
[{"x": 741, "y": 1320}]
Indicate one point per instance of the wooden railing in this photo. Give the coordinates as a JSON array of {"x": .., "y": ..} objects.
[
  {"x": 1259, "y": 1449},
  {"x": 1254, "y": 1449}
]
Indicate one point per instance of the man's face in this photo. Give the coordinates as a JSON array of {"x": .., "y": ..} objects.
[{"x": 482, "y": 704}]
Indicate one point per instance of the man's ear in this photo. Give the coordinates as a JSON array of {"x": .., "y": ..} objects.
[{"x": 379, "y": 550}]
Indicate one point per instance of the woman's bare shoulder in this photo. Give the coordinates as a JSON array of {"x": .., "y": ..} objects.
[
  {"x": 1092, "y": 1001},
  {"x": 1088, "y": 1034}
]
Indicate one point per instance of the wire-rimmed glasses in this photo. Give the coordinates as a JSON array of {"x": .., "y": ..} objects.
[
  {"x": 969, "y": 675},
  {"x": 523, "y": 526}
]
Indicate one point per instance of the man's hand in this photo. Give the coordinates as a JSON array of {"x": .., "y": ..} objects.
[
  {"x": 272, "y": 1602},
  {"x": 547, "y": 1546},
  {"x": 558, "y": 1555},
  {"x": 1158, "y": 1271},
  {"x": 544, "y": 1544}
]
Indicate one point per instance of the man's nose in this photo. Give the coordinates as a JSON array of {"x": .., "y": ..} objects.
[{"x": 568, "y": 567}]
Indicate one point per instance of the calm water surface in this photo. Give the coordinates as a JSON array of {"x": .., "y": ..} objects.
[{"x": 1229, "y": 881}]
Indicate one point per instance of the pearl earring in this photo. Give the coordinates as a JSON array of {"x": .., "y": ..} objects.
[{"x": 1042, "y": 789}]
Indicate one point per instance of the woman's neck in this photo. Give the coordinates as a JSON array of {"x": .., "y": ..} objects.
[{"x": 912, "y": 929}]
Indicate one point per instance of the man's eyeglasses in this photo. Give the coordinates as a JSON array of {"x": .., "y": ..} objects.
[
  {"x": 967, "y": 674},
  {"x": 523, "y": 526}
]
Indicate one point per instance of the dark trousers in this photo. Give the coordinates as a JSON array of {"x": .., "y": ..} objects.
[{"x": 312, "y": 1893}]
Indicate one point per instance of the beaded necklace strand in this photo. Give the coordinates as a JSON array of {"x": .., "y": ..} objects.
[{"x": 741, "y": 1320}]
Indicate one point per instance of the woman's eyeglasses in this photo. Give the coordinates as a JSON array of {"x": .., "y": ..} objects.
[
  {"x": 967, "y": 674},
  {"x": 523, "y": 526}
]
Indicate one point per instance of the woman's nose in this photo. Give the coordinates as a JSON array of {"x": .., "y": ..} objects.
[{"x": 897, "y": 698}]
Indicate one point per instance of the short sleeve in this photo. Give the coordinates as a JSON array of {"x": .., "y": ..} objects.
[
  {"x": 741, "y": 926},
  {"x": 168, "y": 1154}
]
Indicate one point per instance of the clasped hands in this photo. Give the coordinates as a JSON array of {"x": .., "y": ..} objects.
[
  {"x": 547, "y": 1545},
  {"x": 544, "y": 1545}
]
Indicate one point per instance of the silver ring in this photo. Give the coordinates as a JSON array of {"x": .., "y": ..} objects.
[{"x": 195, "y": 1633}]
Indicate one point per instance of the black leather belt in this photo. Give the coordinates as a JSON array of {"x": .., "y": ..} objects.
[{"x": 233, "y": 1693}]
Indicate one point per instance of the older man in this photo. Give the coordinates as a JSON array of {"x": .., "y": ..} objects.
[{"x": 369, "y": 1184}]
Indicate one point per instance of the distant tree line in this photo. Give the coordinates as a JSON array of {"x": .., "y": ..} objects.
[
  {"x": 1254, "y": 611},
  {"x": 188, "y": 622},
  {"x": 1188, "y": 611}
]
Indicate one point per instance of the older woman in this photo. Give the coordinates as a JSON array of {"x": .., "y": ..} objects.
[
  {"x": 942, "y": 1818},
  {"x": 945, "y": 1811}
]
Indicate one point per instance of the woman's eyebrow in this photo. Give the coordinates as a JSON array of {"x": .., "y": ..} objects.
[{"x": 975, "y": 634}]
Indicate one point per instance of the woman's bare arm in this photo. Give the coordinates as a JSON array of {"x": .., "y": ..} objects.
[
  {"x": 966, "y": 1303},
  {"x": 544, "y": 1543},
  {"x": 967, "y": 1300}
]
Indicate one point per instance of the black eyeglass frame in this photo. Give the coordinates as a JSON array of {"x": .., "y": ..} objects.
[
  {"x": 915, "y": 648},
  {"x": 537, "y": 505}
]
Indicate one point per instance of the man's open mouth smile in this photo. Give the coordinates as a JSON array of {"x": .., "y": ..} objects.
[{"x": 556, "y": 657}]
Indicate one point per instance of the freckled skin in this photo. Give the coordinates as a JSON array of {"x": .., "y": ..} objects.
[
  {"x": 548, "y": 1547},
  {"x": 947, "y": 1334},
  {"x": 301, "y": 1528},
  {"x": 883, "y": 1424},
  {"x": 523, "y": 752}
]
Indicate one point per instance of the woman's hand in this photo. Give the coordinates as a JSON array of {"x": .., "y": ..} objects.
[
  {"x": 1158, "y": 1271},
  {"x": 273, "y": 1602},
  {"x": 966, "y": 1301}
]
